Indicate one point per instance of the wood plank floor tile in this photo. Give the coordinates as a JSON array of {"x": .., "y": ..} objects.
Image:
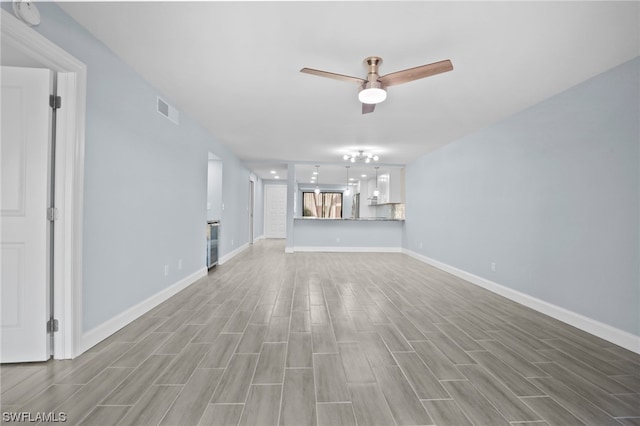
[
  {"x": 209, "y": 332},
  {"x": 252, "y": 339},
  {"x": 375, "y": 349},
  {"x": 438, "y": 363},
  {"x": 152, "y": 407},
  {"x": 85, "y": 400},
  {"x": 323, "y": 339},
  {"x": 141, "y": 350},
  {"x": 445, "y": 412},
  {"x": 299, "y": 351},
  {"x": 473, "y": 404},
  {"x": 190, "y": 405},
  {"x": 500, "y": 397},
  {"x": 235, "y": 382},
  {"x": 514, "y": 381},
  {"x": 425, "y": 384},
  {"x": 278, "y": 330},
  {"x": 393, "y": 338},
  {"x": 47, "y": 400},
  {"x": 596, "y": 395},
  {"x": 335, "y": 414},
  {"x": 298, "y": 406},
  {"x": 583, "y": 370},
  {"x": 179, "y": 340},
  {"x": 330, "y": 378},
  {"x": 270, "y": 368},
  {"x": 183, "y": 364},
  {"x": 449, "y": 348},
  {"x": 369, "y": 405},
  {"x": 105, "y": 415},
  {"x": 552, "y": 412},
  {"x": 355, "y": 363},
  {"x": 132, "y": 388},
  {"x": 403, "y": 401},
  {"x": 221, "y": 351},
  {"x": 262, "y": 406},
  {"x": 577, "y": 405},
  {"x": 512, "y": 359},
  {"x": 222, "y": 415}
]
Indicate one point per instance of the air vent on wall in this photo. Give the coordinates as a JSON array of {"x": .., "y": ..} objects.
[{"x": 167, "y": 110}]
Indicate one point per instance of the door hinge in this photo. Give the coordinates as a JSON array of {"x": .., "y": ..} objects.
[
  {"x": 55, "y": 102},
  {"x": 52, "y": 214},
  {"x": 52, "y": 325}
]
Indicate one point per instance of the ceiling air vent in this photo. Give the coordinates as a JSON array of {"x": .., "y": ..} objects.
[{"x": 167, "y": 110}]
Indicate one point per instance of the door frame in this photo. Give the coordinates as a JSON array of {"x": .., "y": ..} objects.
[
  {"x": 69, "y": 179},
  {"x": 252, "y": 205},
  {"x": 266, "y": 207}
]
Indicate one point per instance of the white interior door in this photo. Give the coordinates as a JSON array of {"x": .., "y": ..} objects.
[
  {"x": 25, "y": 121},
  {"x": 275, "y": 220},
  {"x": 251, "y": 208}
]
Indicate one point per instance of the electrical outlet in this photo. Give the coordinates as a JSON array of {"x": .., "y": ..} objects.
[
  {"x": 166, "y": 270},
  {"x": 493, "y": 266},
  {"x": 180, "y": 264}
]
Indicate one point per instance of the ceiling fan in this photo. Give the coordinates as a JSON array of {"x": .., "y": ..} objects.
[{"x": 373, "y": 87}]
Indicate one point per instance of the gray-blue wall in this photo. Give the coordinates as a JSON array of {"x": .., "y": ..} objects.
[
  {"x": 145, "y": 182},
  {"x": 551, "y": 195}
]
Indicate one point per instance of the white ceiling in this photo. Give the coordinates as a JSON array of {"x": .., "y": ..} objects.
[{"x": 235, "y": 66}]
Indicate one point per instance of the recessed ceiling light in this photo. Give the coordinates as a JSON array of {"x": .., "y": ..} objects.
[
  {"x": 351, "y": 178},
  {"x": 363, "y": 175},
  {"x": 273, "y": 172},
  {"x": 315, "y": 173},
  {"x": 276, "y": 177}
]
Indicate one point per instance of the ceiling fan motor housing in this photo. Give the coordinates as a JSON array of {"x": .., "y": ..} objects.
[{"x": 372, "y": 92}]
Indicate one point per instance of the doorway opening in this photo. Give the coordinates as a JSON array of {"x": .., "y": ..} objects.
[{"x": 67, "y": 185}]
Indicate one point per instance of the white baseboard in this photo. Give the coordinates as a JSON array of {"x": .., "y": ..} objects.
[
  {"x": 106, "y": 329},
  {"x": 348, "y": 249},
  {"x": 227, "y": 257},
  {"x": 258, "y": 238},
  {"x": 614, "y": 335}
]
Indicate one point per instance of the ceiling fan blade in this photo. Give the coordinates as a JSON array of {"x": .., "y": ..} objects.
[
  {"x": 367, "y": 108},
  {"x": 416, "y": 73},
  {"x": 332, "y": 75}
]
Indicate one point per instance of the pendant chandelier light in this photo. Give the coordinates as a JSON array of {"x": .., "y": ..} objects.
[
  {"x": 376, "y": 193},
  {"x": 367, "y": 157},
  {"x": 317, "y": 190},
  {"x": 348, "y": 190}
]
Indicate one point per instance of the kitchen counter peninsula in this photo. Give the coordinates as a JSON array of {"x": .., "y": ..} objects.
[
  {"x": 348, "y": 218},
  {"x": 367, "y": 234}
]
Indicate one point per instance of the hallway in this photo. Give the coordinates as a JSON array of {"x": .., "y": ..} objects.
[{"x": 335, "y": 339}]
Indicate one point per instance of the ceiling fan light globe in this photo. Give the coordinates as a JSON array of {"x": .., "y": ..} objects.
[{"x": 372, "y": 95}]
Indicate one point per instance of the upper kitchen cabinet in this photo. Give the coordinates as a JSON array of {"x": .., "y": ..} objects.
[{"x": 391, "y": 186}]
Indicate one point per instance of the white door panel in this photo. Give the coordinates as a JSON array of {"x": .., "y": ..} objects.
[
  {"x": 25, "y": 121},
  {"x": 275, "y": 211}
]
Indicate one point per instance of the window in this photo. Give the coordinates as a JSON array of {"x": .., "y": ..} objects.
[{"x": 324, "y": 204}]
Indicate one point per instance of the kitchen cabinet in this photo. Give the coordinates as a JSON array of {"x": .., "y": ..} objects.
[{"x": 391, "y": 186}]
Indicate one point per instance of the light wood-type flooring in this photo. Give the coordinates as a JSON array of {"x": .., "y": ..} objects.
[{"x": 335, "y": 339}]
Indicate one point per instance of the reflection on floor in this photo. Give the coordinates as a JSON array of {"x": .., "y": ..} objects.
[{"x": 335, "y": 339}]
